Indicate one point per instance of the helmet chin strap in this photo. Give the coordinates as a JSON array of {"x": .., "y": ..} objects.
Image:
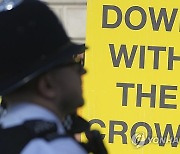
[
  {"x": 76, "y": 124},
  {"x": 3, "y": 108}
]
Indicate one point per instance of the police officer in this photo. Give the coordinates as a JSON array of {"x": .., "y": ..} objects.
[{"x": 40, "y": 81}]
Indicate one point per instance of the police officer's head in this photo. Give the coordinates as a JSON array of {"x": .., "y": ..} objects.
[{"x": 36, "y": 53}]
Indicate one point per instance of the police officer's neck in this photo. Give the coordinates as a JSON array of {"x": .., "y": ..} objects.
[{"x": 49, "y": 104}]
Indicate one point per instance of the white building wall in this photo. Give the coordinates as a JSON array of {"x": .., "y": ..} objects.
[{"x": 72, "y": 13}]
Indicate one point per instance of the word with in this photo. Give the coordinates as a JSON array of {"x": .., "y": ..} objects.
[{"x": 116, "y": 59}]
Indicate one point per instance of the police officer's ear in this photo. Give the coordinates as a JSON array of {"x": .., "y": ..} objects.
[{"x": 46, "y": 86}]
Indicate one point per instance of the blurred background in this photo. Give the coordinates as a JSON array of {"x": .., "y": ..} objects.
[{"x": 72, "y": 13}]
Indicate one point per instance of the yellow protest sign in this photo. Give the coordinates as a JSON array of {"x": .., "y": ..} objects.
[{"x": 132, "y": 89}]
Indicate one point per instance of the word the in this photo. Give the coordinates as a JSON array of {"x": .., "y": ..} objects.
[{"x": 152, "y": 95}]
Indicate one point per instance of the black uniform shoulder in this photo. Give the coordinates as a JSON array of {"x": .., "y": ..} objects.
[{"x": 18, "y": 136}]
